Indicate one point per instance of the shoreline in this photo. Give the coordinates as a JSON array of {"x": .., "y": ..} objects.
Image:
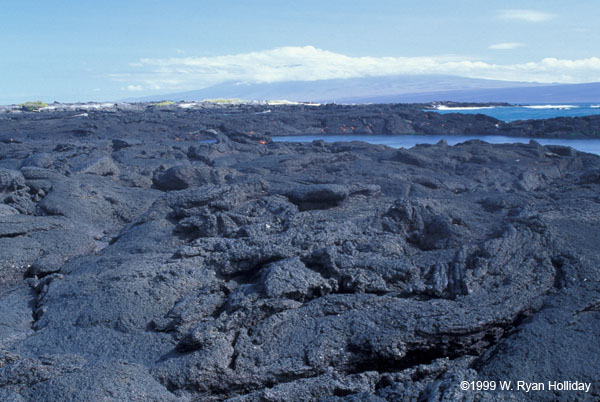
[{"x": 173, "y": 121}]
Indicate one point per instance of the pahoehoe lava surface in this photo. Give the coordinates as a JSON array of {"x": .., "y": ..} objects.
[{"x": 140, "y": 266}]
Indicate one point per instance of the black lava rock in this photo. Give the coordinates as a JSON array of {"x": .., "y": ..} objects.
[{"x": 147, "y": 254}]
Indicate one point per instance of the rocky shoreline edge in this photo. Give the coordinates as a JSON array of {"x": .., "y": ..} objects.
[{"x": 186, "y": 119}]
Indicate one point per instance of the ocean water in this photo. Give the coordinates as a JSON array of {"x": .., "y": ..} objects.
[
  {"x": 541, "y": 111},
  {"x": 505, "y": 113},
  {"x": 409, "y": 141}
]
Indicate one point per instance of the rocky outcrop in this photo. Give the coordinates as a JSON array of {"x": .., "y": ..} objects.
[
  {"x": 255, "y": 122},
  {"x": 246, "y": 270}
]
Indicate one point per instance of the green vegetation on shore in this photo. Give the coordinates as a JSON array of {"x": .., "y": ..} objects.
[
  {"x": 164, "y": 103},
  {"x": 32, "y": 106},
  {"x": 224, "y": 100}
]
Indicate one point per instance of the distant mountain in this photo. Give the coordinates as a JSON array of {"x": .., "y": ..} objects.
[
  {"x": 570, "y": 93},
  {"x": 404, "y": 88}
]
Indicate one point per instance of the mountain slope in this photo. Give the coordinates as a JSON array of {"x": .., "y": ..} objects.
[
  {"x": 390, "y": 89},
  {"x": 338, "y": 89},
  {"x": 570, "y": 93}
]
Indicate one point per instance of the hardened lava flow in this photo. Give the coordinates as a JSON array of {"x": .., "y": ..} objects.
[{"x": 148, "y": 266}]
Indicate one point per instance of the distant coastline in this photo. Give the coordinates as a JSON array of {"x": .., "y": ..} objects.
[{"x": 282, "y": 118}]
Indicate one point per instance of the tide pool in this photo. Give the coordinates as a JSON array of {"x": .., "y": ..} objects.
[{"x": 409, "y": 141}]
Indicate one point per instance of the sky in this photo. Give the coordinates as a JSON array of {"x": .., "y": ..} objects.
[{"x": 111, "y": 50}]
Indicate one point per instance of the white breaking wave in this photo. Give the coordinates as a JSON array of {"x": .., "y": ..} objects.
[
  {"x": 444, "y": 107},
  {"x": 595, "y": 106},
  {"x": 559, "y": 107},
  {"x": 92, "y": 106},
  {"x": 187, "y": 105},
  {"x": 84, "y": 106}
]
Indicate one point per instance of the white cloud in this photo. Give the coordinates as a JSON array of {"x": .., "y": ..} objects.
[
  {"x": 133, "y": 88},
  {"x": 506, "y": 45},
  {"x": 525, "y": 15},
  {"x": 310, "y": 64}
]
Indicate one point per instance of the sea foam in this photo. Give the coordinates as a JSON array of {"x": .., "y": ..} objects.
[
  {"x": 444, "y": 107},
  {"x": 560, "y": 107}
]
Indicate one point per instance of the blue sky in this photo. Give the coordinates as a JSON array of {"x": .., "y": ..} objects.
[{"x": 109, "y": 50}]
